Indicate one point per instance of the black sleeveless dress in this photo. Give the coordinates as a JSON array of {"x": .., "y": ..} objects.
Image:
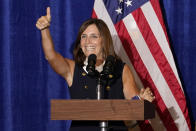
[{"x": 84, "y": 87}]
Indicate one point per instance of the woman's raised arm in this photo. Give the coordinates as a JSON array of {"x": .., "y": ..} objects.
[{"x": 61, "y": 65}]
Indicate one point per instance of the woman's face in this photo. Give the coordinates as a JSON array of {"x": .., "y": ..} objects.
[{"x": 91, "y": 42}]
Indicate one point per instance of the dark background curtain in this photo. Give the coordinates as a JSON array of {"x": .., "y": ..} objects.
[{"x": 27, "y": 82}]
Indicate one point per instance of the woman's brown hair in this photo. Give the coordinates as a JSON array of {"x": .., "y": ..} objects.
[{"x": 107, "y": 43}]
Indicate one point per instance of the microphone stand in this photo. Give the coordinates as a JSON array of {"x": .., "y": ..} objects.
[{"x": 103, "y": 124}]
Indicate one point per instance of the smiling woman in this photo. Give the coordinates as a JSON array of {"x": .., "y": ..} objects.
[
  {"x": 93, "y": 34},
  {"x": 91, "y": 42},
  {"x": 93, "y": 38}
]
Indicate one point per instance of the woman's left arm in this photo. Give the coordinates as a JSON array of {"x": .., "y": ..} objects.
[{"x": 129, "y": 87}]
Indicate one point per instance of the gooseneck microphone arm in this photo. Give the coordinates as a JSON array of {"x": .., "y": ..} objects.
[{"x": 102, "y": 124}]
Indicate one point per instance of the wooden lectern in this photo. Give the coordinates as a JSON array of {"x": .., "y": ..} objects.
[{"x": 101, "y": 110}]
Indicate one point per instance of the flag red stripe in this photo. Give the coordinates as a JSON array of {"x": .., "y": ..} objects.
[
  {"x": 94, "y": 15},
  {"x": 144, "y": 75},
  {"x": 145, "y": 126},
  {"x": 161, "y": 60}
]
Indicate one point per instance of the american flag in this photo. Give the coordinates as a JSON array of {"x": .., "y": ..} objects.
[{"x": 140, "y": 39}]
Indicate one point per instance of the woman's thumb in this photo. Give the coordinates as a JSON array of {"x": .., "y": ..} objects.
[{"x": 48, "y": 14}]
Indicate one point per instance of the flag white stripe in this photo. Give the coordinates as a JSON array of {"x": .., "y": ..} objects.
[
  {"x": 155, "y": 73},
  {"x": 159, "y": 34}
]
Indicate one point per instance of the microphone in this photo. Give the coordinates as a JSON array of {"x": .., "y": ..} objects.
[
  {"x": 91, "y": 64},
  {"x": 108, "y": 67},
  {"x": 107, "y": 75}
]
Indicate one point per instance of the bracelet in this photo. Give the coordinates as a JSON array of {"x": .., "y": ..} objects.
[{"x": 135, "y": 98}]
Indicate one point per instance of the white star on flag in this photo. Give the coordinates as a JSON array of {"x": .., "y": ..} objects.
[
  {"x": 119, "y": 10},
  {"x": 128, "y": 3}
]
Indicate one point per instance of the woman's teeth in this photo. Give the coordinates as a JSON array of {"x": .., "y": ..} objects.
[{"x": 90, "y": 48}]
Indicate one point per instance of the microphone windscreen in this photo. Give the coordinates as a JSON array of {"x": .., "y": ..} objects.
[
  {"x": 109, "y": 65},
  {"x": 110, "y": 58},
  {"x": 91, "y": 65},
  {"x": 92, "y": 57}
]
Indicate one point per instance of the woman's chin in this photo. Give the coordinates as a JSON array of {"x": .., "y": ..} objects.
[
  {"x": 87, "y": 54},
  {"x": 90, "y": 53}
]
